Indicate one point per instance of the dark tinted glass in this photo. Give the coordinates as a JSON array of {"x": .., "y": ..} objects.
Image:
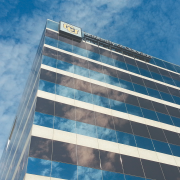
[
  {"x": 172, "y": 137},
  {"x": 173, "y": 111},
  {"x": 130, "y": 61},
  {"x": 40, "y": 148},
  {"x": 80, "y": 62},
  {"x": 64, "y": 152},
  {"x": 110, "y": 161},
  {"x": 82, "y": 85},
  {"x": 144, "y": 103},
  {"x": 124, "y": 76},
  {"x": 153, "y": 69},
  {"x": 122, "y": 125},
  {"x": 50, "y": 52},
  {"x": 132, "y": 166},
  {"x": 156, "y": 133},
  {"x": 137, "y": 80},
  {"x": 65, "y": 57},
  {"x": 116, "y": 95},
  {"x": 85, "y": 116},
  {"x": 45, "y": 106},
  {"x": 48, "y": 75},
  {"x": 140, "y": 129},
  {"x": 149, "y": 84},
  {"x": 51, "y": 34},
  {"x": 95, "y": 67},
  {"x": 130, "y": 99},
  {"x": 104, "y": 120},
  {"x": 164, "y": 72},
  {"x": 170, "y": 172},
  {"x": 88, "y": 157},
  {"x": 152, "y": 170},
  {"x": 174, "y": 92},
  {"x": 118, "y": 57},
  {"x": 162, "y": 88},
  {"x": 64, "y": 111},
  {"x": 162, "y": 147},
  {"x": 92, "y": 48},
  {"x": 65, "y": 80},
  {"x": 99, "y": 90},
  {"x": 109, "y": 71},
  {"x": 159, "y": 107},
  {"x": 142, "y": 65}
]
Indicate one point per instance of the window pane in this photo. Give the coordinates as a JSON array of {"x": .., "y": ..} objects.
[
  {"x": 93, "y": 55},
  {"x": 134, "y": 110},
  {"x": 49, "y": 61},
  {"x": 112, "y": 80},
  {"x": 158, "y": 77},
  {"x": 168, "y": 80},
  {"x": 126, "y": 85},
  {"x": 39, "y": 166},
  {"x": 176, "y": 99},
  {"x": 83, "y": 96},
  {"x": 97, "y": 76},
  {"x": 125, "y": 138},
  {"x": 176, "y": 121},
  {"x": 64, "y": 171},
  {"x": 46, "y": 86},
  {"x": 161, "y": 147},
  {"x": 128, "y": 177},
  {"x": 149, "y": 114},
  {"x": 120, "y": 64},
  {"x": 65, "y": 46},
  {"x": 64, "y": 124},
  {"x": 140, "y": 89},
  {"x": 101, "y": 101},
  {"x": 175, "y": 150},
  {"x": 81, "y": 71},
  {"x": 64, "y": 91},
  {"x": 51, "y": 41},
  {"x": 144, "y": 143},
  {"x": 86, "y": 129},
  {"x": 106, "y": 134},
  {"x": 118, "y": 106},
  {"x": 79, "y": 51},
  {"x": 43, "y": 120},
  {"x": 52, "y": 25},
  {"x": 166, "y": 97},
  {"x": 145, "y": 73},
  {"x": 154, "y": 93},
  {"x": 65, "y": 66},
  {"x": 107, "y": 60},
  {"x": 164, "y": 118},
  {"x": 159, "y": 63},
  {"x": 133, "y": 69},
  {"x": 111, "y": 175},
  {"x": 89, "y": 173}
]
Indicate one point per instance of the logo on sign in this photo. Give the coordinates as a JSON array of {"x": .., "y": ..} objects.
[{"x": 70, "y": 28}]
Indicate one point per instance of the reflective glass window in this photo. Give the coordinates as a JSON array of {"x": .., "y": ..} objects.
[
  {"x": 145, "y": 73},
  {"x": 97, "y": 76},
  {"x": 64, "y": 124},
  {"x": 133, "y": 69},
  {"x": 107, "y": 60},
  {"x": 65, "y": 46},
  {"x": 118, "y": 106},
  {"x": 65, "y": 91},
  {"x": 168, "y": 80},
  {"x": 125, "y": 138},
  {"x": 64, "y": 171},
  {"x": 81, "y": 71},
  {"x": 175, "y": 150},
  {"x": 112, "y": 80},
  {"x": 51, "y": 41},
  {"x": 159, "y": 63},
  {"x": 154, "y": 93},
  {"x": 89, "y": 173},
  {"x": 152, "y": 61},
  {"x": 86, "y": 129},
  {"x": 134, "y": 110},
  {"x": 120, "y": 65},
  {"x": 43, "y": 120},
  {"x": 176, "y": 121},
  {"x": 128, "y": 177},
  {"x": 169, "y": 66},
  {"x": 79, "y": 51},
  {"x": 106, "y": 134},
  {"x": 52, "y": 25},
  {"x": 161, "y": 147},
  {"x": 149, "y": 114},
  {"x": 83, "y": 96},
  {"x": 93, "y": 55},
  {"x": 107, "y": 175},
  {"x": 177, "y": 68},
  {"x": 48, "y": 76},
  {"x": 156, "y": 76},
  {"x": 166, "y": 97},
  {"x": 101, "y": 101},
  {"x": 126, "y": 85},
  {"x": 46, "y": 86},
  {"x": 144, "y": 143},
  {"x": 39, "y": 166},
  {"x": 140, "y": 89},
  {"x": 164, "y": 118},
  {"x": 177, "y": 83},
  {"x": 65, "y": 66},
  {"x": 176, "y": 99},
  {"x": 49, "y": 61}
]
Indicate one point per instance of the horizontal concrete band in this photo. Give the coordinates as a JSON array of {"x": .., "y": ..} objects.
[
  {"x": 112, "y": 67},
  {"x": 37, "y": 177},
  {"x": 88, "y": 106},
  {"x": 124, "y": 55},
  {"x": 73, "y": 138},
  {"x": 109, "y": 86}
]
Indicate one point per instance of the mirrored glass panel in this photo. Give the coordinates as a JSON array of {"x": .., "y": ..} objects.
[
  {"x": 79, "y": 51},
  {"x": 51, "y": 41},
  {"x": 49, "y": 61},
  {"x": 176, "y": 121},
  {"x": 118, "y": 106},
  {"x": 65, "y": 66},
  {"x": 175, "y": 150},
  {"x": 140, "y": 89},
  {"x": 145, "y": 73},
  {"x": 166, "y": 97},
  {"x": 83, "y": 96},
  {"x": 134, "y": 110},
  {"x": 126, "y": 85},
  {"x": 161, "y": 147},
  {"x": 107, "y": 60},
  {"x": 120, "y": 64},
  {"x": 128, "y": 177},
  {"x": 154, "y": 93},
  {"x": 46, "y": 86},
  {"x": 93, "y": 55},
  {"x": 107, "y": 175},
  {"x": 133, "y": 69},
  {"x": 97, "y": 76},
  {"x": 164, "y": 118},
  {"x": 101, "y": 101},
  {"x": 52, "y": 25},
  {"x": 65, "y": 91},
  {"x": 81, "y": 71},
  {"x": 64, "y": 46},
  {"x": 149, "y": 114}
]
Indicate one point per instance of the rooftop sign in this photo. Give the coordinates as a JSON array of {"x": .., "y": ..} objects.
[{"x": 66, "y": 28}]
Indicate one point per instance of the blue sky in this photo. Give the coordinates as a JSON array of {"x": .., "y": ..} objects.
[{"x": 148, "y": 26}]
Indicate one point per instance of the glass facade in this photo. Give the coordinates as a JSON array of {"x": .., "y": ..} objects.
[{"x": 92, "y": 112}]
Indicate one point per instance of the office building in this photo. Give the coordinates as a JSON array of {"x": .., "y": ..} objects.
[{"x": 95, "y": 110}]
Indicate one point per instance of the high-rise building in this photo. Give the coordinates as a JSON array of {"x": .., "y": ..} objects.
[{"x": 95, "y": 110}]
